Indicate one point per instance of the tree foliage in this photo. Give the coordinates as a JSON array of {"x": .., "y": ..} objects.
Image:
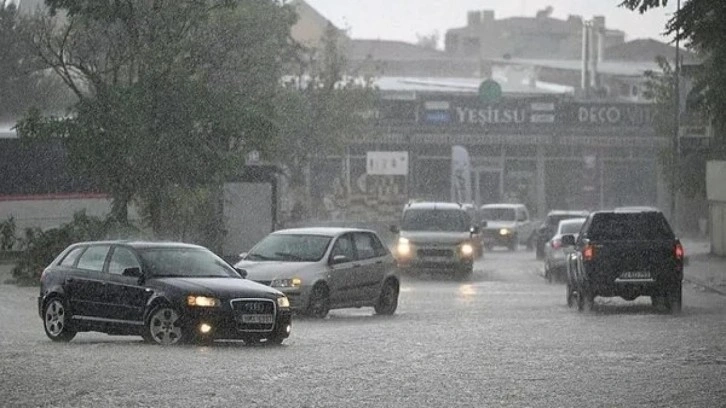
[
  {"x": 171, "y": 93},
  {"x": 690, "y": 167},
  {"x": 23, "y": 82},
  {"x": 323, "y": 108},
  {"x": 700, "y": 24}
]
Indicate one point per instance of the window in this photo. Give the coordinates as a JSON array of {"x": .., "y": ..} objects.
[
  {"x": 122, "y": 258},
  {"x": 344, "y": 246},
  {"x": 71, "y": 257},
  {"x": 364, "y": 245},
  {"x": 94, "y": 258},
  {"x": 378, "y": 246}
]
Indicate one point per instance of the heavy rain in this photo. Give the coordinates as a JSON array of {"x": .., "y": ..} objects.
[{"x": 362, "y": 203}]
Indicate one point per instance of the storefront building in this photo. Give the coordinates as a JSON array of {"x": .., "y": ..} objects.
[{"x": 546, "y": 151}]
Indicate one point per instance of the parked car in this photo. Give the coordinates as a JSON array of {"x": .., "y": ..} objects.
[
  {"x": 628, "y": 253},
  {"x": 165, "y": 292},
  {"x": 547, "y": 230},
  {"x": 436, "y": 237},
  {"x": 320, "y": 269},
  {"x": 507, "y": 225},
  {"x": 556, "y": 252}
]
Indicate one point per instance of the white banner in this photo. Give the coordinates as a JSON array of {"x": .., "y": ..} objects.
[
  {"x": 387, "y": 163},
  {"x": 460, "y": 175}
]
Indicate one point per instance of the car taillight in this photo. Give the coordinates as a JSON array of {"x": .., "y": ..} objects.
[
  {"x": 588, "y": 253},
  {"x": 556, "y": 244},
  {"x": 678, "y": 252}
]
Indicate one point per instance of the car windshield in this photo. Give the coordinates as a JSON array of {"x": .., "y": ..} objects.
[
  {"x": 637, "y": 226},
  {"x": 185, "y": 262},
  {"x": 498, "y": 214},
  {"x": 290, "y": 248},
  {"x": 571, "y": 226},
  {"x": 435, "y": 220}
]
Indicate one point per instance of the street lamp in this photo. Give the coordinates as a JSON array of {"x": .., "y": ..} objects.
[{"x": 676, "y": 132}]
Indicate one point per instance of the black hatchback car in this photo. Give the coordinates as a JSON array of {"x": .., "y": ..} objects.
[{"x": 168, "y": 293}]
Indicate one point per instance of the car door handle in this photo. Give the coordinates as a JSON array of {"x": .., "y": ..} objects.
[
  {"x": 379, "y": 262},
  {"x": 357, "y": 265}
]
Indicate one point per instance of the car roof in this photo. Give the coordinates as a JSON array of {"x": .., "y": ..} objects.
[
  {"x": 434, "y": 205},
  {"x": 573, "y": 220},
  {"x": 322, "y": 231},
  {"x": 636, "y": 209},
  {"x": 503, "y": 206},
  {"x": 141, "y": 244},
  {"x": 568, "y": 212}
]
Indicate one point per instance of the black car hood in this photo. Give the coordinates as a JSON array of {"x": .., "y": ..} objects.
[{"x": 223, "y": 288}]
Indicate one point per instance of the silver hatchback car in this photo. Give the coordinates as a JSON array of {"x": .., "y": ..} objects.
[{"x": 320, "y": 269}]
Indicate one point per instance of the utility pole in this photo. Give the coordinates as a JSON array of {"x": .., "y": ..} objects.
[{"x": 677, "y": 128}]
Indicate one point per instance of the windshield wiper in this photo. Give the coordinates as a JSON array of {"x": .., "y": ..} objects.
[
  {"x": 286, "y": 255},
  {"x": 258, "y": 256}
]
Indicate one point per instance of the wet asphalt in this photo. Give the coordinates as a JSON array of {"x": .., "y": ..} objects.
[{"x": 505, "y": 338}]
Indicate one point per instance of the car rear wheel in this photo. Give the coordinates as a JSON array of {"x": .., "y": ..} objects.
[
  {"x": 164, "y": 327},
  {"x": 55, "y": 320},
  {"x": 388, "y": 299},
  {"x": 319, "y": 305},
  {"x": 585, "y": 300},
  {"x": 570, "y": 296},
  {"x": 673, "y": 299}
]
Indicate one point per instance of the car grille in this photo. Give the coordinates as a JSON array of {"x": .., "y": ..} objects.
[
  {"x": 438, "y": 253},
  {"x": 248, "y": 314}
]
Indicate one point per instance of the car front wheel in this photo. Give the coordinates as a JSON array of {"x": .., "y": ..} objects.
[
  {"x": 164, "y": 326},
  {"x": 388, "y": 299},
  {"x": 319, "y": 305},
  {"x": 55, "y": 320}
]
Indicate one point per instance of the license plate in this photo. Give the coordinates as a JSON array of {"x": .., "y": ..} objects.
[
  {"x": 635, "y": 275},
  {"x": 256, "y": 319}
]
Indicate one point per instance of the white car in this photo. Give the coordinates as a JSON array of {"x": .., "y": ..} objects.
[
  {"x": 556, "y": 253},
  {"x": 506, "y": 225}
]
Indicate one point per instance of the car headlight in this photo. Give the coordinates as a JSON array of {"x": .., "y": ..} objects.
[
  {"x": 286, "y": 283},
  {"x": 283, "y": 302},
  {"x": 202, "y": 301},
  {"x": 504, "y": 231},
  {"x": 404, "y": 247},
  {"x": 467, "y": 249}
]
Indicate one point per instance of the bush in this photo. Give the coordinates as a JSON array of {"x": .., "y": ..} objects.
[
  {"x": 7, "y": 235},
  {"x": 39, "y": 247}
]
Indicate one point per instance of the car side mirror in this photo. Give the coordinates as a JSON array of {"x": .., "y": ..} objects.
[
  {"x": 475, "y": 229},
  {"x": 483, "y": 224},
  {"x": 241, "y": 272},
  {"x": 339, "y": 259},
  {"x": 394, "y": 229},
  {"x": 568, "y": 240},
  {"x": 134, "y": 272}
]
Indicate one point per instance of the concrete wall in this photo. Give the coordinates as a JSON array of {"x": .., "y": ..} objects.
[
  {"x": 46, "y": 212},
  {"x": 718, "y": 228}
]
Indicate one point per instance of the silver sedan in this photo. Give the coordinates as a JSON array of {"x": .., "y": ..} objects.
[
  {"x": 320, "y": 269},
  {"x": 556, "y": 253}
]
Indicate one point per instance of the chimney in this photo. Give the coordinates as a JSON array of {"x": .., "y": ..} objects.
[
  {"x": 473, "y": 18},
  {"x": 585, "y": 78},
  {"x": 598, "y": 22}
]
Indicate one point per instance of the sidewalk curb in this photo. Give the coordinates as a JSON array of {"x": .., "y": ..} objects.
[{"x": 706, "y": 286}]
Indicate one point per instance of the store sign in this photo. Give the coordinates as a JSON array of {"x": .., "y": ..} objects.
[
  {"x": 596, "y": 114},
  {"x": 387, "y": 163}
]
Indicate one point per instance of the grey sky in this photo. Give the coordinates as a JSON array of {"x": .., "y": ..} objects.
[{"x": 403, "y": 19}]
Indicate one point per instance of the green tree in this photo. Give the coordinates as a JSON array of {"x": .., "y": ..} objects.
[
  {"x": 700, "y": 24},
  {"x": 322, "y": 110},
  {"x": 171, "y": 93},
  {"x": 691, "y": 167},
  {"x": 23, "y": 82}
]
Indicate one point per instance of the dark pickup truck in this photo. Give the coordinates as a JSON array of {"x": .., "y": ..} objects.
[{"x": 626, "y": 253}]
